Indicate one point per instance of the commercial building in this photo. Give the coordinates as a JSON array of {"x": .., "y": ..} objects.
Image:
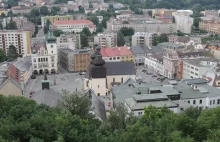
[
  {"x": 20, "y": 39},
  {"x": 52, "y": 19},
  {"x": 70, "y": 40},
  {"x": 74, "y": 60},
  {"x": 45, "y": 56},
  {"x": 150, "y": 25},
  {"x": 143, "y": 39},
  {"x": 106, "y": 40},
  {"x": 117, "y": 54},
  {"x": 177, "y": 96},
  {"x": 75, "y": 26}
]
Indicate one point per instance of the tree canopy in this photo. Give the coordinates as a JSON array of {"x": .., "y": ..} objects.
[
  {"x": 12, "y": 52},
  {"x": 120, "y": 39},
  {"x": 2, "y": 56},
  {"x": 127, "y": 31}
]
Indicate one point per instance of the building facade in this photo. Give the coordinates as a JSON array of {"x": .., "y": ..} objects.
[
  {"x": 184, "y": 23},
  {"x": 74, "y": 60},
  {"x": 71, "y": 41},
  {"x": 106, "y": 40},
  {"x": 20, "y": 21},
  {"x": 75, "y": 26},
  {"x": 143, "y": 39},
  {"x": 52, "y": 19},
  {"x": 20, "y": 39}
]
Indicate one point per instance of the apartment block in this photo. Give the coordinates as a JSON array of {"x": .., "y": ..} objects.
[
  {"x": 20, "y": 39},
  {"x": 106, "y": 40},
  {"x": 74, "y": 60},
  {"x": 156, "y": 12},
  {"x": 75, "y": 26},
  {"x": 184, "y": 23},
  {"x": 143, "y": 39},
  {"x": 20, "y": 21},
  {"x": 71, "y": 41},
  {"x": 52, "y": 19},
  {"x": 210, "y": 26}
]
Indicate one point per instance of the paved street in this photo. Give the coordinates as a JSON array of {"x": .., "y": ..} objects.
[{"x": 68, "y": 82}]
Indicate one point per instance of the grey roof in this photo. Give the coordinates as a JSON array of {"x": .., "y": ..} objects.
[
  {"x": 169, "y": 45},
  {"x": 144, "y": 50},
  {"x": 48, "y": 97},
  {"x": 98, "y": 105},
  {"x": 183, "y": 39},
  {"x": 23, "y": 64},
  {"x": 120, "y": 68},
  {"x": 195, "y": 81}
]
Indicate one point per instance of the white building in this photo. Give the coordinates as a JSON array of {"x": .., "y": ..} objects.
[
  {"x": 143, "y": 39},
  {"x": 20, "y": 39},
  {"x": 46, "y": 58},
  {"x": 155, "y": 63},
  {"x": 106, "y": 40},
  {"x": 196, "y": 68},
  {"x": 75, "y": 26},
  {"x": 71, "y": 41},
  {"x": 183, "y": 21}
]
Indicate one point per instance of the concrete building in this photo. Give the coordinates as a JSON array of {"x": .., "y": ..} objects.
[
  {"x": 106, "y": 40},
  {"x": 172, "y": 38},
  {"x": 71, "y": 41},
  {"x": 210, "y": 26},
  {"x": 156, "y": 12},
  {"x": 150, "y": 25},
  {"x": 184, "y": 23},
  {"x": 45, "y": 57},
  {"x": 74, "y": 60},
  {"x": 20, "y": 21},
  {"x": 20, "y": 39},
  {"x": 75, "y": 26},
  {"x": 117, "y": 54},
  {"x": 155, "y": 63},
  {"x": 20, "y": 10},
  {"x": 143, "y": 39},
  {"x": 52, "y": 19},
  {"x": 196, "y": 68}
]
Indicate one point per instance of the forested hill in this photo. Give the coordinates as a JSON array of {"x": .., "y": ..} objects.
[{"x": 175, "y": 4}]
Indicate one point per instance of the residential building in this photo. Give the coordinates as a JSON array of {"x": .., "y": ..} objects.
[
  {"x": 184, "y": 23},
  {"x": 70, "y": 40},
  {"x": 214, "y": 47},
  {"x": 52, "y": 19},
  {"x": 213, "y": 77},
  {"x": 183, "y": 12},
  {"x": 156, "y": 12},
  {"x": 210, "y": 26},
  {"x": 21, "y": 71},
  {"x": 117, "y": 54},
  {"x": 25, "y": 3},
  {"x": 142, "y": 25},
  {"x": 172, "y": 38},
  {"x": 20, "y": 10},
  {"x": 185, "y": 40},
  {"x": 45, "y": 56},
  {"x": 177, "y": 96},
  {"x": 102, "y": 76},
  {"x": 10, "y": 87},
  {"x": 155, "y": 63},
  {"x": 106, "y": 40},
  {"x": 165, "y": 18},
  {"x": 75, "y": 26},
  {"x": 196, "y": 68},
  {"x": 143, "y": 39},
  {"x": 74, "y": 60},
  {"x": 211, "y": 13},
  {"x": 19, "y": 38}
]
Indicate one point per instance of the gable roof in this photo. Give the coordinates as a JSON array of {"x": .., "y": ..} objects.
[{"x": 120, "y": 68}]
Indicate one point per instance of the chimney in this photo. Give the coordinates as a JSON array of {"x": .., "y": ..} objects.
[{"x": 45, "y": 83}]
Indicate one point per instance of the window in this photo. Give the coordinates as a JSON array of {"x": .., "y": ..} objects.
[
  {"x": 196, "y": 74},
  {"x": 122, "y": 80},
  {"x": 188, "y": 102},
  {"x": 139, "y": 113},
  {"x": 213, "y": 102},
  {"x": 192, "y": 72},
  {"x": 194, "y": 102},
  {"x": 38, "y": 59},
  {"x": 210, "y": 102},
  {"x": 98, "y": 86},
  {"x": 118, "y": 58},
  {"x": 196, "y": 69},
  {"x": 98, "y": 94},
  {"x": 110, "y": 58},
  {"x": 51, "y": 46},
  {"x": 113, "y": 79},
  {"x": 200, "y": 101},
  {"x": 114, "y": 58},
  {"x": 218, "y": 101}
]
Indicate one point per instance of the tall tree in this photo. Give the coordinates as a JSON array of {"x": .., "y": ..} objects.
[
  {"x": 11, "y": 25},
  {"x": 36, "y": 30},
  {"x": 99, "y": 28},
  {"x": 10, "y": 13},
  {"x": 46, "y": 27},
  {"x": 90, "y": 5},
  {"x": 12, "y": 52},
  {"x": 94, "y": 19},
  {"x": 127, "y": 31},
  {"x": 44, "y": 10},
  {"x": 2, "y": 56},
  {"x": 57, "y": 32},
  {"x": 84, "y": 40},
  {"x": 86, "y": 31},
  {"x": 120, "y": 39}
]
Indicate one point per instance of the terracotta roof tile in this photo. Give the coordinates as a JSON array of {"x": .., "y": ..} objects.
[{"x": 117, "y": 51}]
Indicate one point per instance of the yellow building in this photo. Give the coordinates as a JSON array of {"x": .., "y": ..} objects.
[
  {"x": 156, "y": 12},
  {"x": 52, "y": 19},
  {"x": 3, "y": 11}
]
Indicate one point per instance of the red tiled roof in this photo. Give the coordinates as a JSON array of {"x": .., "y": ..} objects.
[
  {"x": 116, "y": 51},
  {"x": 72, "y": 22}
]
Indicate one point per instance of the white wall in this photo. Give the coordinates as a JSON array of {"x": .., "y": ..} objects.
[{"x": 118, "y": 78}]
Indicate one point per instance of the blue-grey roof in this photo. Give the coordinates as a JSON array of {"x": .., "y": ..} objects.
[
  {"x": 195, "y": 81},
  {"x": 120, "y": 68}
]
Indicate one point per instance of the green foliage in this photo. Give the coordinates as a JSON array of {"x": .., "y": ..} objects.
[
  {"x": 10, "y": 13},
  {"x": 94, "y": 19},
  {"x": 44, "y": 10},
  {"x": 3, "y": 15},
  {"x": 90, "y": 5},
  {"x": 36, "y": 30},
  {"x": 127, "y": 31},
  {"x": 12, "y": 53},
  {"x": 84, "y": 40},
  {"x": 11, "y": 3},
  {"x": 150, "y": 13},
  {"x": 1, "y": 26},
  {"x": 86, "y": 31},
  {"x": 2, "y": 56},
  {"x": 120, "y": 39},
  {"x": 11, "y": 25},
  {"x": 57, "y": 32},
  {"x": 81, "y": 9},
  {"x": 46, "y": 27},
  {"x": 196, "y": 22},
  {"x": 99, "y": 28},
  {"x": 60, "y": 1},
  {"x": 104, "y": 22},
  {"x": 54, "y": 10},
  {"x": 125, "y": 22},
  {"x": 161, "y": 38}
]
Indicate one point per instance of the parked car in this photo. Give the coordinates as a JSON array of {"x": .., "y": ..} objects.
[
  {"x": 154, "y": 75},
  {"x": 82, "y": 73},
  {"x": 33, "y": 76}
]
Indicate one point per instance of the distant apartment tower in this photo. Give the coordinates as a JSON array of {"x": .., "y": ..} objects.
[
  {"x": 74, "y": 60},
  {"x": 20, "y": 39},
  {"x": 71, "y": 41},
  {"x": 106, "y": 40},
  {"x": 20, "y": 21},
  {"x": 143, "y": 39},
  {"x": 52, "y": 19},
  {"x": 75, "y": 26}
]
